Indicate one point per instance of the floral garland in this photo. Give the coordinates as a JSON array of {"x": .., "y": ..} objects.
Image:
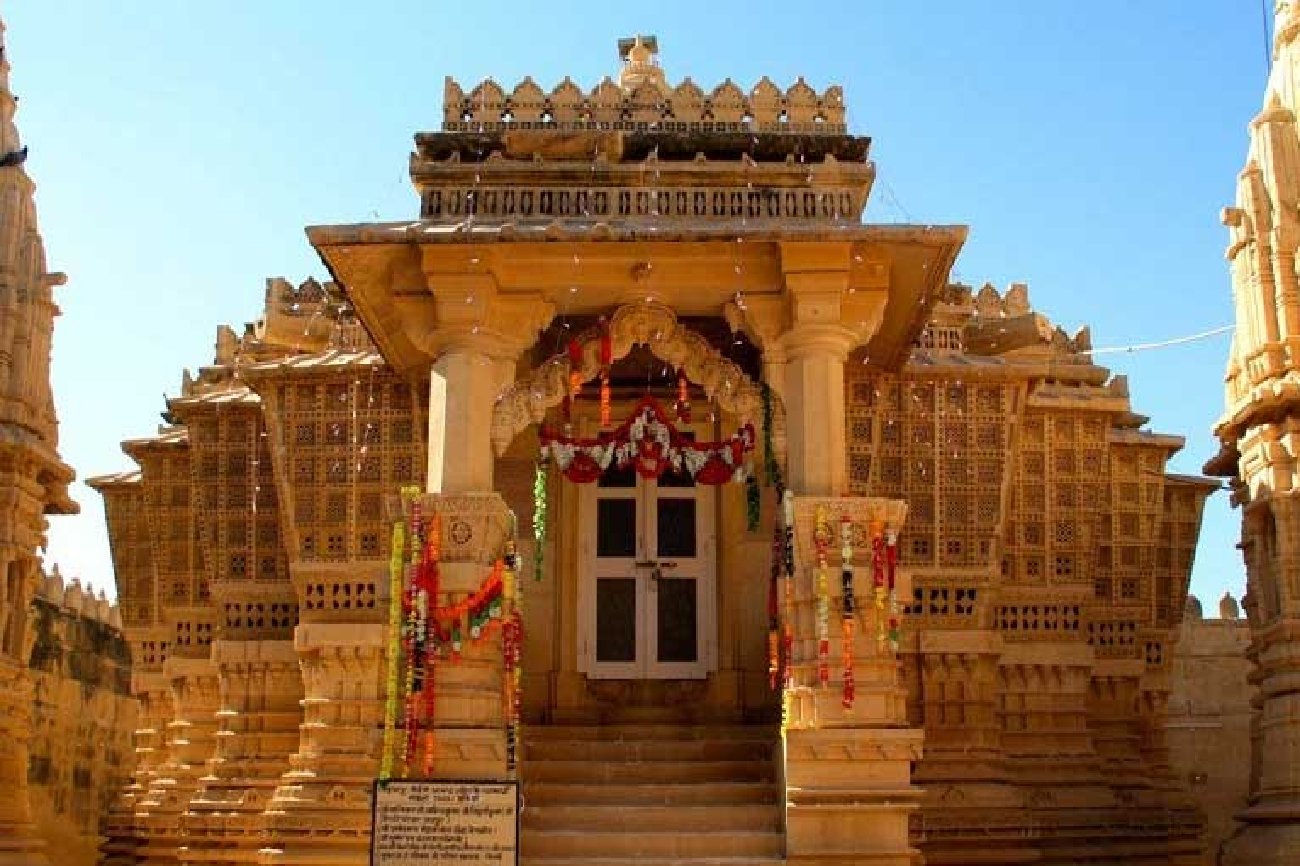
[
  {"x": 774, "y": 608},
  {"x": 396, "y": 571},
  {"x": 822, "y": 542},
  {"x": 849, "y": 605},
  {"x": 878, "y": 579},
  {"x": 891, "y": 566},
  {"x": 512, "y": 638},
  {"x": 649, "y": 443},
  {"x": 606, "y": 362},
  {"x": 539, "y": 517},
  {"x": 422, "y": 633},
  {"x": 787, "y": 627}
]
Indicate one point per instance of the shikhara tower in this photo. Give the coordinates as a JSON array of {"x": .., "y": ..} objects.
[
  {"x": 1259, "y": 432},
  {"x": 33, "y": 480}
]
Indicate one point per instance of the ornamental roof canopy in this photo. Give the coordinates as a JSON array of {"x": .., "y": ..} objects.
[{"x": 536, "y": 202}]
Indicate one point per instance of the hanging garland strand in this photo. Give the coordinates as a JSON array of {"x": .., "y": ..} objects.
[
  {"x": 771, "y": 465},
  {"x": 774, "y": 608},
  {"x": 822, "y": 542},
  {"x": 539, "y": 517},
  {"x": 511, "y": 643},
  {"x": 878, "y": 578},
  {"x": 787, "y": 627},
  {"x": 606, "y": 361},
  {"x": 847, "y": 621},
  {"x": 396, "y": 569},
  {"x": 891, "y": 566}
]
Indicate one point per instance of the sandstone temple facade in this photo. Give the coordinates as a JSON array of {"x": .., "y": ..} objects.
[
  {"x": 1258, "y": 436},
  {"x": 33, "y": 479},
  {"x": 693, "y": 261}
]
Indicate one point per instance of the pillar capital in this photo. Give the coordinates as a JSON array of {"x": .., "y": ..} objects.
[{"x": 473, "y": 317}]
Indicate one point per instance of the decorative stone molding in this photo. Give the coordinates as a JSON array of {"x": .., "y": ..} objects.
[{"x": 649, "y": 324}]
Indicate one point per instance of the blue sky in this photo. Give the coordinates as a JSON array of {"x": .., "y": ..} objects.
[{"x": 180, "y": 147}]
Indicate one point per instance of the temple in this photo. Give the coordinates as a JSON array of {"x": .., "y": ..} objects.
[
  {"x": 1257, "y": 434},
  {"x": 33, "y": 478},
  {"x": 827, "y": 558}
]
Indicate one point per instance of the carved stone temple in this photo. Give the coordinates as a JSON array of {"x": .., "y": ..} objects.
[
  {"x": 1258, "y": 434},
  {"x": 33, "y": 479},
  {"x": 701, "y": 252}
]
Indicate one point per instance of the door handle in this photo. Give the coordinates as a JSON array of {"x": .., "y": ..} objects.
[{"x": 645, "y": 563}]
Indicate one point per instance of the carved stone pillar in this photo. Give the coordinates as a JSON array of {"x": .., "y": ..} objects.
[
  {"x": 1271, "y": 535},
  {"x": 261, "y": 695},
  {"x": 19, "y": 844},
  {"x": 188, "y": 736},
  {"x": 847, "y": 770},
  {"x": 127, "y": 827},
  {"x": 814, "y": 399},
  {"x": 463, "y": 386},
  {"x": 469, "y": 711},
  {"x": 320, "y": 813}
]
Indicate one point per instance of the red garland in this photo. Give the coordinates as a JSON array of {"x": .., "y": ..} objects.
[
  {"x": 651, "y": 459},
  {"x": 606, "y": 361},
  {"x": 683, "y": 398}
]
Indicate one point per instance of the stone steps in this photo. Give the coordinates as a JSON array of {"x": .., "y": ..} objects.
[
  {"x": 565, "y": 793},
  {"x": 651, "y": 795}
]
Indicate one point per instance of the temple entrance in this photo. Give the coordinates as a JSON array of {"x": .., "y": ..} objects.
[{"x": 646, "y": 591}]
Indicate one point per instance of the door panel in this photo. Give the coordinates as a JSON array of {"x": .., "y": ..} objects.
[
  {"x": 677, "y": 625},
  {"x": 617, "y": 621}
]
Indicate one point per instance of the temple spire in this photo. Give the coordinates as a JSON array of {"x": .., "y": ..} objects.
[{"x": 10, "y": 144}]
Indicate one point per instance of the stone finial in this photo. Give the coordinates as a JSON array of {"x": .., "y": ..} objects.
[
  {"x": 1192, "y": 608},
  {"x": 640, "y": 63},
  {"x": 1228, "y": 607}
]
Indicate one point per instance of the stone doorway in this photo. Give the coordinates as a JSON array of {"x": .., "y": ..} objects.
[
  {"x": 646, "y": 578},
  {"x": 649, "y": 628}
]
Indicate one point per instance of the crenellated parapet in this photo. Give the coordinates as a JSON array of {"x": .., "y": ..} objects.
[{"x": 641, "y": 99}]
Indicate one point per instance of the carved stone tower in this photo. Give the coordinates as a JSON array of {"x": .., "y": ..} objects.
[
  {"x": 1260, "y": 432},
  {"x": 33, "y": 480}
]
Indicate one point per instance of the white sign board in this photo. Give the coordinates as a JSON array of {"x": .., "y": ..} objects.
[{"x": 445, "y": 823}]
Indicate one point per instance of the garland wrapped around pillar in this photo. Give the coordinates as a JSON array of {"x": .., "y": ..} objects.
[{"x": 424, "y": 634}]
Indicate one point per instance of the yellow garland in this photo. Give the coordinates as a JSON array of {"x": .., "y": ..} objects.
[{"x": 395, "y": 569}]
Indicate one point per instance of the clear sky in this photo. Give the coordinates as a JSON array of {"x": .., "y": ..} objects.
[{"x": 180, "y": 147}]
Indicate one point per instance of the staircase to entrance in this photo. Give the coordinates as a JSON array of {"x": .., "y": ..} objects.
[{"x": 651, "y": 794}]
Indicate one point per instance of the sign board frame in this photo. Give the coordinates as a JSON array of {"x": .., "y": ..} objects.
[{"x": 379, "y": 784}]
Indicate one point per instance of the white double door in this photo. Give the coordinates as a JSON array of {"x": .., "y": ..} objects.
[{"x": 646, "y": 584}]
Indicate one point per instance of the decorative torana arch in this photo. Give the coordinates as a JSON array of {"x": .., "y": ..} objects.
[{"x": 655, "y": 326}]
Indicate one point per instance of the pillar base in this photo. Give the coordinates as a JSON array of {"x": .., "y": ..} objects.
[
  {"x": 20, "y": 846},
  {"x": 1258, "y": 843},
  {"x": 849, "y": 796},
  {"x": 320, "y": 813}
]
